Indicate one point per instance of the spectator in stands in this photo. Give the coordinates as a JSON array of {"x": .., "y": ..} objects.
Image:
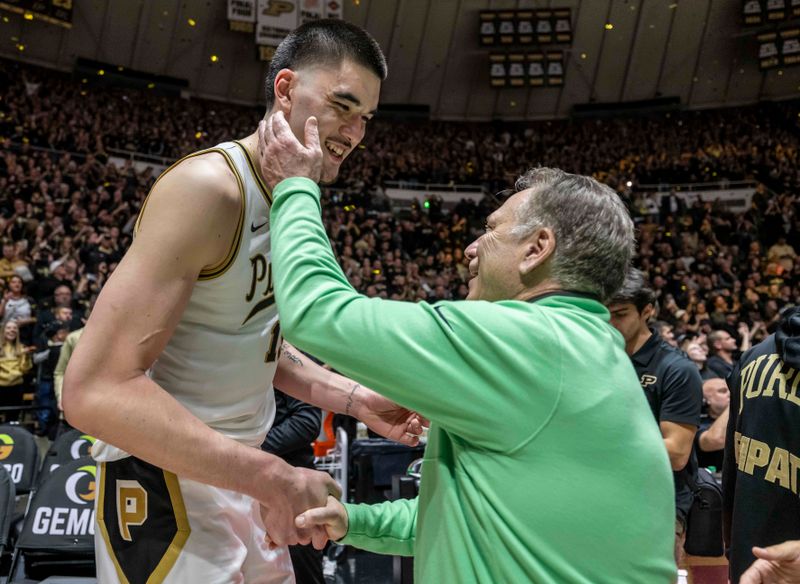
[
  {"x": 47, "y": 358},
  {"x": 665, "y": 330},
  {"x": 783, "y": 254},
  {"x": 710, "y": 439},
  {"x": 15, "y": 305},
  {"x": 295, "y": 427},
  {"x": 696, "y": 352},
  {"x": 62, "y": 308},
  {"x": 15, "y": 363},
  {"x": 67, "y": 349},
  {"x": 10, "y": 263},
  {"x": 721, "y": 347}
]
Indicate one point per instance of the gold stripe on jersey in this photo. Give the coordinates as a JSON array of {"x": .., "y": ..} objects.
[
  {"x": 264, "y": 190},
  {"x": 221, "y": 267},
  {"x": 101, "y": 521},
  {"x": 182, "y": 523}
]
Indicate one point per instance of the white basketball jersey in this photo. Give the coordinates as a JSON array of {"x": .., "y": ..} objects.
[{"x": 223, "y": 354}]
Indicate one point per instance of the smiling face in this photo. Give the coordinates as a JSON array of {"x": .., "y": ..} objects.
[
  {"x": 495, "y": 258},
  {"x": 343, "y": 98}
]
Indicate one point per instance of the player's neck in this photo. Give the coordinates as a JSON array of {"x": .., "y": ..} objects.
[{"x": 250, "y": 144}]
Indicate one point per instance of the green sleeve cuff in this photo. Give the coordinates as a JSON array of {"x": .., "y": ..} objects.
[
  {"x": 383, "y": 528},
  {"x": 296, "y": 184}
]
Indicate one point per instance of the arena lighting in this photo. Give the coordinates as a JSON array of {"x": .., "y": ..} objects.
[
  {"x": 28, "y": 16},
  {"x": 214, "y": 58},
  {"x": 426, "y": 204},
  {"x": 192, "y": 22},
  {"x": 609, "y": 26},
  {"x": 101, "y": 72},
  {"x": 629, "y": 184}
]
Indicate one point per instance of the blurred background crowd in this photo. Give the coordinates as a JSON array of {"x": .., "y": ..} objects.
[{"x": 722, "y": 278}]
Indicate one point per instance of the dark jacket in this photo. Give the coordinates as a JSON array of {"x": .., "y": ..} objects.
[{"x": 296, "y": 426}]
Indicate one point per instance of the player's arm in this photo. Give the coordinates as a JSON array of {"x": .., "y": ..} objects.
[
  {"x": 305, "y": 380},
  {"x": 189, "y": 223},
  {"x": 713, "y": 439}
]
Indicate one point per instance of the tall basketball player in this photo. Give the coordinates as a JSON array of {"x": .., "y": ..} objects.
[{"x": 173, "y": 372}]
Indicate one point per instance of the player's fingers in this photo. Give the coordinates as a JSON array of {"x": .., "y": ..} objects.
[
  {"x": 333, "y": 488},
  {"x": 756, "y": 573},
  {"x": 319, "y": 538}
]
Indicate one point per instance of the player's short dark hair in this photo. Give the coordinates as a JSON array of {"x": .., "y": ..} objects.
[
  {"x": 328, "y": 42},
  {"x": 635, "y": 290}
]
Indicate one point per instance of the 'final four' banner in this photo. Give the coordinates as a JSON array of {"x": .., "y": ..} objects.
[{"x": 242, "y": 15}]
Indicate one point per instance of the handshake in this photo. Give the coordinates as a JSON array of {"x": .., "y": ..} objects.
[{"x": 302, "y": 506}]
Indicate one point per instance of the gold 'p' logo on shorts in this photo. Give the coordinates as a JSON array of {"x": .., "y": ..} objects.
[{"x": 131, "y": 506}]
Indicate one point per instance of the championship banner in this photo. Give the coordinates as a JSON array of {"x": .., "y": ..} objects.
[
  {"x": 497, "y": 70},
  {"x": 311, "y": 10},
  {"x": 242, "y": 15},
  {"x": 525, "y": 27},
  {"x": 521, "y": 69},
  {"x": 758, "y": 12},
  {"x": 52, "y": 11},
  {"x": 535, "y": 69},
  {"x": 555, "y": 68},
  {"x": 776, "y": 49},
  {"x": 274, "y": 20},
  {"x": 790, "y": 51}
]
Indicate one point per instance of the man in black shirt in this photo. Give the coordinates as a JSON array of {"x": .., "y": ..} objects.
[
  {"x": 762, "y": 454},
  {"x": 710, "y": 439},
  {"x": 721, "y": 346},
  {"x": 671, "y": 383}
]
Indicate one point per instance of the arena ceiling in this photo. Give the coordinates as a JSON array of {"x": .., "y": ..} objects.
[{"x": 696, "y": 50}]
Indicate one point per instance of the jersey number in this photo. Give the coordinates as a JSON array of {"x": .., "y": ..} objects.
[{"x": 274, "y": 337}]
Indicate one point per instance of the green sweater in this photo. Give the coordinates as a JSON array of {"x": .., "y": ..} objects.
[{"x": 543, "y": 462}]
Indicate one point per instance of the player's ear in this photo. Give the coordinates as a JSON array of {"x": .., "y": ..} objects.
[{"x": 285, "y": 81}]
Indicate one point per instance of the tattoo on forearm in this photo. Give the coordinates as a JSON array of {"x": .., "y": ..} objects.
[
  {"x": 291, "y": 356},
  {"x": 350, "y": 399}
]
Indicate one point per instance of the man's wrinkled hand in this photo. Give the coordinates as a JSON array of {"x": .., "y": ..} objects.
[
  {"x": 288, "y": 493},
  {"x": 281, "y": 155},
  {"x": 331, "y": 519}
]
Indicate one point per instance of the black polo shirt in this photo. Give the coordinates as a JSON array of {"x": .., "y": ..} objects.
[{"x": 674, "y": 390}]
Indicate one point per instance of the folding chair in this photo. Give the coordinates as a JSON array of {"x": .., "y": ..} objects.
[
  {"x": 20, "y": 457},
  {"x": 71, "y": 445},
  {"x": 57, "y": 536}
]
